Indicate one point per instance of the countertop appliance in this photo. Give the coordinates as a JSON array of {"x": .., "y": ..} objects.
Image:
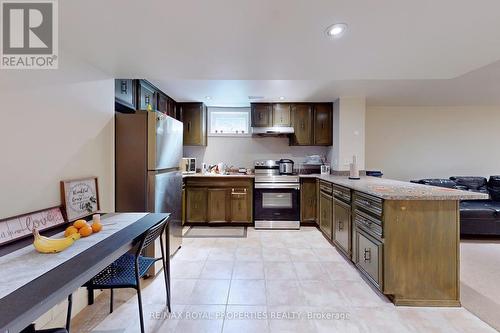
[
  {"x": 286, "y": 166},
  {"x": 276, "y": 197},
  {"x": 188, "y": 165},
  {"x": 148, "y": 150}
]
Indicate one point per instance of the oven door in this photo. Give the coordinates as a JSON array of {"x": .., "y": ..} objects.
[{"x": 277, "y": 202}]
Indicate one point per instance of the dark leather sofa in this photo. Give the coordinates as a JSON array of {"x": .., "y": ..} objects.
[{"x": 477, "y": 217}]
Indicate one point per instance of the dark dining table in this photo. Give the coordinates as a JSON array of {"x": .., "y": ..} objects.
[{"x": 27, "y": 303}]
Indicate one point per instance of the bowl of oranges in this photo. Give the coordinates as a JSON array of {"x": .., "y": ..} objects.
[{"x": 83, "y": 228}]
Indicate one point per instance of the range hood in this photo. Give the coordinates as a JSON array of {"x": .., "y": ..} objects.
[{"x": 272, "y": 131}]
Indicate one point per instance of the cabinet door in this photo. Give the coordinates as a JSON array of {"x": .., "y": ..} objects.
[
  {"x": 308, "y": 200},
  {"x": 171, "y": 108},
  {"x": 342, "y": 225},
  {"x": 217, "y": 201},
  {"x": 369, "y": 257},
  {"x": 162, "y": 103},
  {"x": 196, "y": 204},
  {"x": 325, "y": 211},
  {"x": 241, "y": 210},
  {"x": 281, "y": 115},
  {"x": 261, "y": 115},
  {"x": 302, "y": 125},
  {"x": 323, "y": 124},
  {"x": 194, "y": 118},
  {"x": 125, "y": 92},
  {"x": 147, "y": 96}
]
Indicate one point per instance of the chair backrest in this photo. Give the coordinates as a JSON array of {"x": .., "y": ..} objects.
[{"x": 152, "y": 234}]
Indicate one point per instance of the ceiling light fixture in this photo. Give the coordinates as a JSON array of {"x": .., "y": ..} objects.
[
  {"x": 337, "y": 30},
  {"x": 208, "y": 97},
  {"x": 282, "y": 98}
]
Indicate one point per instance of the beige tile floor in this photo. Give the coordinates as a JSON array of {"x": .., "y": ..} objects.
[{"x": 271, "y": 281}]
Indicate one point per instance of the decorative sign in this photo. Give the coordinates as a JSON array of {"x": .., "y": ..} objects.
[
  {"x": 80, "y": 197},
  {"x": 20, "y": 226}
]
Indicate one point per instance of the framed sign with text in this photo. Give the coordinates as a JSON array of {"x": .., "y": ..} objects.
[
  {"x": 16, "y": 227},
  {"x": 80, "y": 197}
]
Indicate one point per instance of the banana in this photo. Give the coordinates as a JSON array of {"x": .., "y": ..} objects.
[{"x": 48, "y": 245}]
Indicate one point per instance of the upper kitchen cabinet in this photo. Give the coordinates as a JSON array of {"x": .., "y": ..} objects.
[
  {"x": 125, "y": 93},
  {"x": 194, "y": 118},
  {"x": 323, "y": 124},
  {"x": 166, "y": 105},
  {"x": 281, "y": 115},
  {"x": 302, "y": 125},
  {"x": 146, "y": 95},
  {"x": 262, "y": 114}
]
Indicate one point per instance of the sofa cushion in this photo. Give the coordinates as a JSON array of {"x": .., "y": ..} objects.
[
  {"x": 437, "y": 182},
  {"x": 480, "y": 210},
  {"x": 472, "y": 183}
]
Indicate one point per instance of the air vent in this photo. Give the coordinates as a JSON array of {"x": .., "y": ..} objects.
[{"x": 253, "y": 98}]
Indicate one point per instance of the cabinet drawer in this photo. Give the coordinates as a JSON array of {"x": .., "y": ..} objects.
[
  {"x": 325, "y": 187},
  {"x": 342, "y": 193},
  {"x": 368, "y": 203},
  {"x": 369, "y": 257},
  {"x": 367, "y": 222}
]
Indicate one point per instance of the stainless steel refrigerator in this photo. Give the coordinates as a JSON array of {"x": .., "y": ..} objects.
[{"x": 148, "y": 149}]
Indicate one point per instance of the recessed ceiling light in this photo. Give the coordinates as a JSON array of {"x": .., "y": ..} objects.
[
  {"x": 208, "y": 97},
  {"x": 282, "y": 98},
  {"x": 337, "y": 30}
]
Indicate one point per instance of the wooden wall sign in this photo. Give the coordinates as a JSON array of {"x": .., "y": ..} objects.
[
  {"x": 80, "y": 197},
  {"x": 16, "y": 227}
]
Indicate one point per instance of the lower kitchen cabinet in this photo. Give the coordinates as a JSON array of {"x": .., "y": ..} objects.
[
  {"x": 325, "y": 209},
  {"x": 196, "y": 204},
  {"x": 368, "y": 257},
  {"x": 342, "y": 226},
  {"x": 308, "y": 200},
  {"x": 218, "y": 200},
  {"x": 217, "y": 204}
]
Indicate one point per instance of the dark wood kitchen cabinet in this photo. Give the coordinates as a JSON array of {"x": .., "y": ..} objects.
[
  {"x": 308, "y": 200},
  {"x": 342, "y": 226},
  {"x": 326, "y": 209},
  {"x": 217, "y": 204},
  {"x": 323, "y": 126},
  {"x": 166, "y": 105},
  {"x": 281, "y": 115},
  {"x": 240, "y": 209},
  {"x": 196, "y": 204},
  {"x": 225, "y": 199},
  {"x": 262, "y": 114},
  {"x": 301, "y": 119},
  {"x": 146, "y": 96},
  {"x": 194, "y": 118},
  {"x": 125, "y": 93}
]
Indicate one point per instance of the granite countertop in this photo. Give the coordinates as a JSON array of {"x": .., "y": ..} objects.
[
  {"x": 399, "y": 190},
  {"x": 237, "y": 175}
]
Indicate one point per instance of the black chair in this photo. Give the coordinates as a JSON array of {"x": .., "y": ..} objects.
[
  {"x": 127, "y": 271},
  {"x": 31, "y": 328}
]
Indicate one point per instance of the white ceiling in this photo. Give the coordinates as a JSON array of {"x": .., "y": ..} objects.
[{"x": 395, "y": 51}]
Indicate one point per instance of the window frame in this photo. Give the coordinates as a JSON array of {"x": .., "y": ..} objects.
[{"x": 245, "y": 110}]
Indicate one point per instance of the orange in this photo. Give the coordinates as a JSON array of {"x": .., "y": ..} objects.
[
  {"x": 96, "y": 227},
  {"x": 70, "y": 231},
  {"x": 80, "y": 224},
  {"x": 85, "y": 231}
]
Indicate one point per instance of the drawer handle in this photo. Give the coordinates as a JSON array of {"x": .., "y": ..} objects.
[
  {"x": 368, "y": 255},
  {"x": 365, "y": 202}
]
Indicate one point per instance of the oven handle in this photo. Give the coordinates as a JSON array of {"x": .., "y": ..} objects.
[{"x": 278, "y": 186}]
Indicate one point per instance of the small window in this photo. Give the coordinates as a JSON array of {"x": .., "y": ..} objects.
[{"x": 229, "y": 121}]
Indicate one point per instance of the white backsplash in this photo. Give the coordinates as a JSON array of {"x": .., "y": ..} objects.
[{"x": 243, "y": 151}]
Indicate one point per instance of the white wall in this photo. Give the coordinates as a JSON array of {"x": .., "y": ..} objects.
[
  {"x": 54, "y": 125},
  {"x": 348, "y": 133},
  {"x": 243, "y": 151},
  {"x": 422, "y": 142}
]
